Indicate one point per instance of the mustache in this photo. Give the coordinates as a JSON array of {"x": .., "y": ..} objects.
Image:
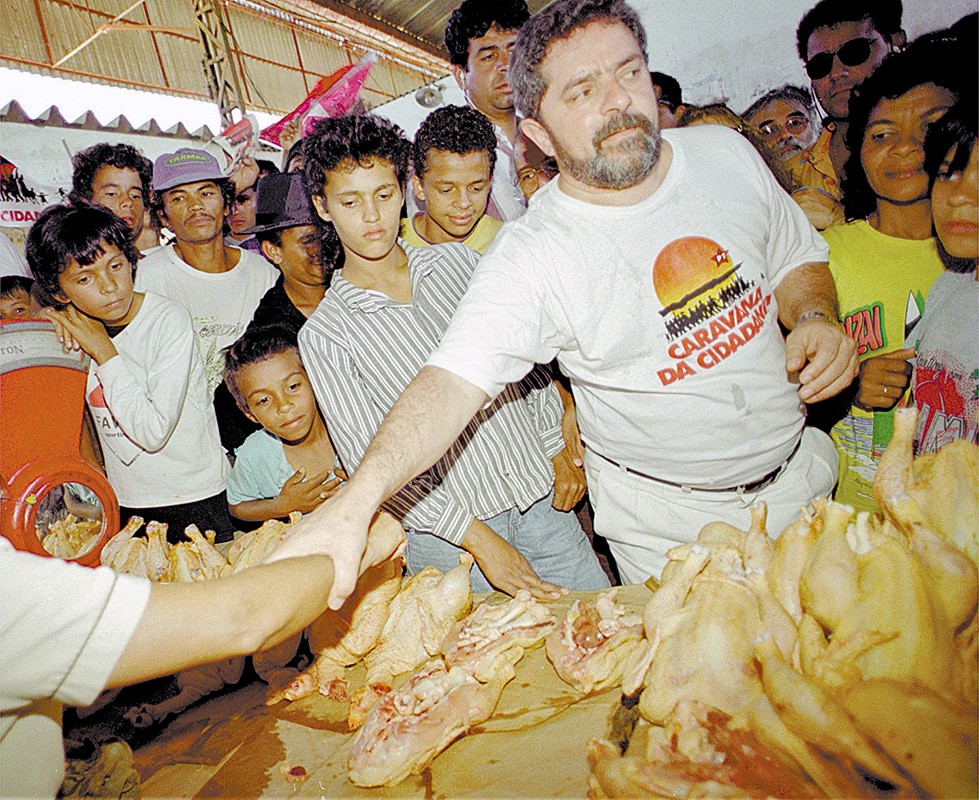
[{"x": 620, "y": 122}]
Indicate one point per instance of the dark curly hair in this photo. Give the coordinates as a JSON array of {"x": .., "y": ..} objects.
[
  {"x": 256, "y": 344},
  {"x": 898, "y": 74},
  {"x": 356, "y": 139},
  {"x": 88, "y": 162},
  {"x": 228, "y": 195},
  {"x": 884, "y": 15},
  {"x": 63, "y": 234},
  {"x": 555, "y": 22},
  {"x": 474, "y": 18},
  {"x": 455, "y": 129}
]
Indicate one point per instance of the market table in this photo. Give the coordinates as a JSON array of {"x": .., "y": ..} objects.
[{"x": 532, "y": 746}]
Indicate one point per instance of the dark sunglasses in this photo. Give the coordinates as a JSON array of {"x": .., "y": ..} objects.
[{"x": 852, "y": 54}]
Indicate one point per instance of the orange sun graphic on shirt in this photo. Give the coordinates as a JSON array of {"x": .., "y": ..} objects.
[{"x": 691, "y": 271}]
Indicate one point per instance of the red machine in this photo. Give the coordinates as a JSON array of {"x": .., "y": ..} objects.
[{"x": 42, "y": 401}]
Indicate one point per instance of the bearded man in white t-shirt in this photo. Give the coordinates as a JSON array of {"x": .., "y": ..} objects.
[
  {"x": 656, "y": 270},
  {"x": 219, "y": 285}
]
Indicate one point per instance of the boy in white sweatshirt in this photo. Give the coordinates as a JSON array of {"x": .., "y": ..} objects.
[{"x": 146, "y": 386}]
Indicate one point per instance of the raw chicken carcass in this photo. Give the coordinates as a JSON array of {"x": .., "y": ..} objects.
[
  {"x": 938, "y": 491},
  {"x": 158, "y": 552},
  {"x": 419, "y": 620},
  {"x": 477, "y": 640},
  {"x": 213, "y": 562},
  {"x": 110, "y": 550},
  {"x": 131, "y": 558},
  {"x": 339, "y": 639},
  {"x": 252, "y": 548},
  {"x": 185, "y": 564},
  {"x": 592, "y": 644},
  {"x": 412, "y": 725}
]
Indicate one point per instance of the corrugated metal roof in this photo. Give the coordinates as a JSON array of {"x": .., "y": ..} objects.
[
  {"x": 52, "y": 118},
  {"x": 422, "y": 19},
  {"x": 280, "y": 47}
]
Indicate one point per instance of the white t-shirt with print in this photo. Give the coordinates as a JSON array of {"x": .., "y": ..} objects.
[
  {"x": 153, "y": 413},
  {"x": 662, "y": 313},
  {"x": 220, "y": 304}
]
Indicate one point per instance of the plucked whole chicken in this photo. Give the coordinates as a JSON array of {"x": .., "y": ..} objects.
[{"x": 843, "y": 653}]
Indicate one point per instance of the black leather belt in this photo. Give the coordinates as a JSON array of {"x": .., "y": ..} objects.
[{"x": 752, "y": 486}]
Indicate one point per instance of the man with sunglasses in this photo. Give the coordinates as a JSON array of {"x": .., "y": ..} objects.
[{"x": 841, "y": 42}]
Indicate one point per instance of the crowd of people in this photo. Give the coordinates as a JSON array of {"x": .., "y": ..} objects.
[{"x": 576, "y": 282}]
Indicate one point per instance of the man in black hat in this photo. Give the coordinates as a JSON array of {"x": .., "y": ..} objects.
[{"x": 306, "y": 254}]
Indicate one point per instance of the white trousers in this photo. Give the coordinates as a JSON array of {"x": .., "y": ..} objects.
[{"x": 642, "y": 519}]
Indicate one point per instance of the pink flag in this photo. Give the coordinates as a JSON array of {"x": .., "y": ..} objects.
[{"x": 332, "y": 96}]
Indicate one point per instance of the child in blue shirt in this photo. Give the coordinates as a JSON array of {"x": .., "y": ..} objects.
[{"x": 289, "y": 465}]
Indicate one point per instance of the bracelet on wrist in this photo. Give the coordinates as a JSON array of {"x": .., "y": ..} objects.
[{"x": 816, "y": 314}]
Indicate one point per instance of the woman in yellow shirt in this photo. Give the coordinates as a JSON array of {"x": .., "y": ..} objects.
[{"x": 885, "y": 258}]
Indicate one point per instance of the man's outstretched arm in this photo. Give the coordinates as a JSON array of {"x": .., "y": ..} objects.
[
  {"x": 428, "y": 417},
  {"x": 816, "y": 349}
]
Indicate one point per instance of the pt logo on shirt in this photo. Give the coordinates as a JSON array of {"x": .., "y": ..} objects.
[{"x": 709, "y": 311}]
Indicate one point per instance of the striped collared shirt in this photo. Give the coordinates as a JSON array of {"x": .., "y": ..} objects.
[{"x": 361, "y": 349}]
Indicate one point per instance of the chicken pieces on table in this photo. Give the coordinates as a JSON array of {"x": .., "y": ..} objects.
[
  {"x": 593, "y": 644},
  {"x": 419, "y": 619}
]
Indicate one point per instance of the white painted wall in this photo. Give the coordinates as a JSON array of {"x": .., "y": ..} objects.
[{"x": 727, "y": 50}]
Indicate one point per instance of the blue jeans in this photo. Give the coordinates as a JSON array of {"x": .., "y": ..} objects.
[{"x": 551, "y": 540}]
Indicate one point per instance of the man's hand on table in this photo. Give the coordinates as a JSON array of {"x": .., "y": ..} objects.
[
  {"x": 338, "y": 528},
  {"x": 503, "y": 565},
  {"x": 831, "y": 357}
]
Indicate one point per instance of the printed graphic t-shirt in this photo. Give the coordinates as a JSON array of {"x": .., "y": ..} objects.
[
  {"x": 662, "y": 313},
  {"x": 945, "y": 383},
  {"x": 881, "y": 284},
  {"x": 220, "y": 304}
]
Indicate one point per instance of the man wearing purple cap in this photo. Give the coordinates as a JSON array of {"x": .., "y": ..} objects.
[{"x": 219, "y": 285}]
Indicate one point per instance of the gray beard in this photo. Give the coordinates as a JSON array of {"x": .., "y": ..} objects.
[{"x": 619, "y": 167}]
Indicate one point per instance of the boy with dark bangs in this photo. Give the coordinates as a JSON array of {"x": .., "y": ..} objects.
[
  {"x": 385, "y": 312},
  {"x": 453, "y": 157},
  {"x": 289, "y": 464},
  {"x": 146, "y": 387}
]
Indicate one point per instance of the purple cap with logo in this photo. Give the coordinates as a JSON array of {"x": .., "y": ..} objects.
[{"x": 185, "y": 166}]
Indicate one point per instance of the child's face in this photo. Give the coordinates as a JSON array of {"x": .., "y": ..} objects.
[
  {"x": 455, "y": 190},
  {"x": 279, "y": 396},
  {"x": 955, "y": 207},
  {"x": 121, "y": 191},
  {"x": 18, "y": 304},
  {"x": 103, "y": 289},
  {"x": 364, "y": 205}
]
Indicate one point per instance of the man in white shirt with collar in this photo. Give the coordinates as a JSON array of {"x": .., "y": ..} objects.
[
  {"x": 656, "y": 270},
  {"x": 479, "y": 37}
]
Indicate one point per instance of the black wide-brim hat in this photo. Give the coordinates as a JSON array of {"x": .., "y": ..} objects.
[{"x": 282, "y": 202}]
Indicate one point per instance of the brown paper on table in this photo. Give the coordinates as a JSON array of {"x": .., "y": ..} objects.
[{"x": 532, "y": 746}]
